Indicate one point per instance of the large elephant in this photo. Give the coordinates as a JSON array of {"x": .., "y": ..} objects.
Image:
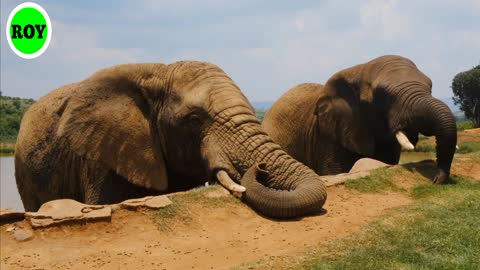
[
  {"x": 368, "y": 110},
  {"x": 135, "y": 129}
]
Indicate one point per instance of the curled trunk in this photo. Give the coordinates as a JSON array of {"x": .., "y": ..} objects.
[
  {"x": 279, "y": 186},
  {"x": 304, "y": 196}
]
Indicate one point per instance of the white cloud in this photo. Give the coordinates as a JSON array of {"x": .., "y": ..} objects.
[
  {"x": 266, "y": 47},
  {"x": 383, "y": 17},
  {"x": 299, "y": 24},
  {"x": 79, "y": 44}
]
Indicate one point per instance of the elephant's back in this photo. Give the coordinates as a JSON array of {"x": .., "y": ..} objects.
[
  {"x": 288, "y": 118},
  {"x": 39, "y": 122}
]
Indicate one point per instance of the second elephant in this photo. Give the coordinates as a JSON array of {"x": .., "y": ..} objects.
[{"x": 368, "y": 110}]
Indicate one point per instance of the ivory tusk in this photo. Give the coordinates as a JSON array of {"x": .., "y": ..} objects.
[
  {"x": 403, "y": 141},
  {"x": 228, "y": 183},
  {"x": 456, "y": 146}
]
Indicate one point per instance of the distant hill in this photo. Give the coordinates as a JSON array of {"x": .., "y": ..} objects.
[
  {"x": 11, "y": 113},
  {"x": 262, "y": 105},
  {"x": 450, "y": 104}
]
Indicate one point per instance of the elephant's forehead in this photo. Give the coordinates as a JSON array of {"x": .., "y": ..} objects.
[{"x": 196, "y": 97}]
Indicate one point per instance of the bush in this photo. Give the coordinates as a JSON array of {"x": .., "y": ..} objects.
[{"x": 462, "y": 125}]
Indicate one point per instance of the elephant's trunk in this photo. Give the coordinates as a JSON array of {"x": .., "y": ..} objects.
[
  {"x": 285, "y": 188},
  {"x": 438, "y": 120},
  {"x": 276, "y": 184},
  {"x": 280, "y": 188}
]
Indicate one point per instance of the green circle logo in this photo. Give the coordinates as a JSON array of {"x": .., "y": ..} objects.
[{"x": 29, "y": 30}]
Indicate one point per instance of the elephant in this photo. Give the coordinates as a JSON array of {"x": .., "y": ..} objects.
[
  {"x": 368, "y": 110},
  {"x": 149, "y": 128}
]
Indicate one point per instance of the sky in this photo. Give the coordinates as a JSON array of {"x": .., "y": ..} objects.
[{"x": 266, "y": 47}]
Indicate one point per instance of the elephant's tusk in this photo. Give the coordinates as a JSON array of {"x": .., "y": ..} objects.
[
  {"x": 456, "y": 146},
  {"x": 228, "y": 183},
  {"x": 403, "y": 141}
]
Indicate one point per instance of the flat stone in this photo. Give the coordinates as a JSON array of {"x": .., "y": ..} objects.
[
  {"x": 338, "y": 179},
  {"x": 9, "y": 215},
  {"x": 361, "y": 168},
  {"x": 67, "y": 210},
  {"x": 367, "y": 164},
  {"x": 152, "y": 202},
  {"x": 22, "y": 235}
]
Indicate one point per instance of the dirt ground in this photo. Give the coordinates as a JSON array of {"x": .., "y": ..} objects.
[{"x": 218, "y": 236}]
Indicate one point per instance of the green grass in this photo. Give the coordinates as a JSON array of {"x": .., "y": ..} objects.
[
  {"x": 459, "y": 184},
  {"x": 440, "y": 230},
  {"x": 379, "y": 180},
  {"x": 180, "y": 209},
  {"x": 468, "y": 147},
  {"x": 465, "y": 124},
  {"x": 7, "y": 148},
  {"x": 7, "y": 151},
  {"x": 464, "y": 147}
]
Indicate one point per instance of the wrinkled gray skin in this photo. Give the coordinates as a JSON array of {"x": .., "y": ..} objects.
[
  {"x": 357, "y": 114},
  {"x": 138, "y": 129}
]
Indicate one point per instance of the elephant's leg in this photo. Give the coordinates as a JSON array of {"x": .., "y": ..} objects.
[
  {"x": 30, "y": 200},
  {"x": 387, "y": 151},
  {"x": 107, "y": 187},
  {"x": 334, "y": 160},
  {"x": 26, "y": 186}
]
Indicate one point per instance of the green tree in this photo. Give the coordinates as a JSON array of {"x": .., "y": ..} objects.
[
  {"x": 11, "y": 113},
  {"x": 466, "y": 91}
]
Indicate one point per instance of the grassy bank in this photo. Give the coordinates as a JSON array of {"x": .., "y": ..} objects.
[
  {"x": 438, "y": 231},
  {"x": 181, "y": 208},
  {"x": 7, "y": 148}
]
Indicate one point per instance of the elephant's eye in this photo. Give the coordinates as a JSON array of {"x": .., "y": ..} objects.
[{"x": 193, "y": 118}]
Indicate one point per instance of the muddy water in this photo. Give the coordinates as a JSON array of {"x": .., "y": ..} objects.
[
  {"x": 9, "y": 197},
  {"x": 407, "y": 157}
]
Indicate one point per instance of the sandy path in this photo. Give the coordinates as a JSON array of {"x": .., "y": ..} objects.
[{"x": 213, "y": 238}]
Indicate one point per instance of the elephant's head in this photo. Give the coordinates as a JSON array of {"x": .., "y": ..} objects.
[
  {"x": 384, "y": 104},
  {"x": 158, "y": 125}
]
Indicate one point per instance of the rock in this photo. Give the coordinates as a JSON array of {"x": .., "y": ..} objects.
[
  {"x": 66, "y": 210},
  {"x": 9, "y": 215},
  {"x": 22, "y": 235},
  {"x": 334, "y": 180},
  {"x": 152, "y": 202},
  {"x": 367, "y": 164},
  {"x": 361, "y": 168}
]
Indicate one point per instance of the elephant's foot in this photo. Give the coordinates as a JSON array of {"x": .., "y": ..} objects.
[{"x": 441, "y": 177}]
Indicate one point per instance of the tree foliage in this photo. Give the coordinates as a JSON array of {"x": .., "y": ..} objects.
[
  {"x": 466, "y": 90},
  {"x": 11, "y": 113}
]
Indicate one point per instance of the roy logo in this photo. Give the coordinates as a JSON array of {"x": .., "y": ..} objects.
[{"x": 28, "y": 30}]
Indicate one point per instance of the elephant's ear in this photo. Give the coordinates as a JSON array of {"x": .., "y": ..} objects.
[
  {"x": 109, "y": 124},
  {"x": 341, "y": 118}
]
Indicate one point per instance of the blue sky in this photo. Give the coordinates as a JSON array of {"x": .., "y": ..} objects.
[{"x": 266, "y": 47}]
